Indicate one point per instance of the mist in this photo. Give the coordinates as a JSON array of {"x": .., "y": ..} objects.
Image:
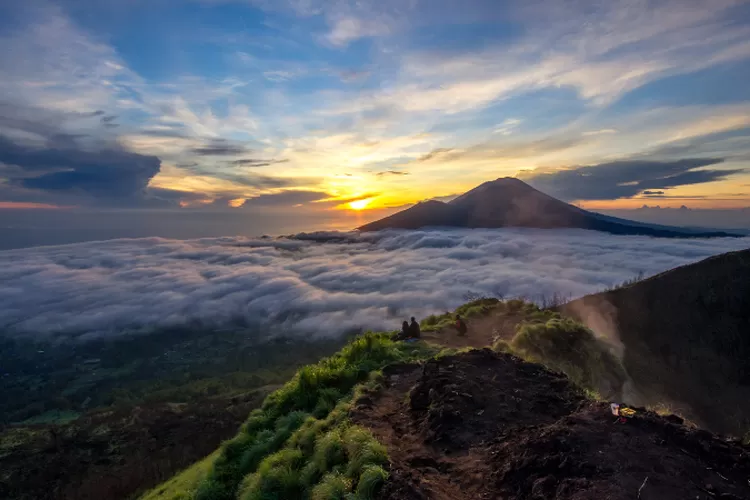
[{"x": 320, "y": 284}]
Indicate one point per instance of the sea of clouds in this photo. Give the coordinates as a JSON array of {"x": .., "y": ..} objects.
[{"x": 315, "y": 284}]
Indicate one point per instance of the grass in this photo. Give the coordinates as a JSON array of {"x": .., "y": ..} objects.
[
  {"x": 184, "y": 485},
  {"x": 478, "y": 307},
  {"x": 567, "y": 346},
  {"x": 298, "y": 443}
]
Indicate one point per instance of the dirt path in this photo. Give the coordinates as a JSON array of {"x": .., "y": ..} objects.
[
  {"x": 482, "y": 425},
  {"x": 482, "y": 331}
]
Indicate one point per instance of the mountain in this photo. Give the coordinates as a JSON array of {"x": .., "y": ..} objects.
[
  {"x": 510, "y": 202},
  {"x": 686, "y": 335}
]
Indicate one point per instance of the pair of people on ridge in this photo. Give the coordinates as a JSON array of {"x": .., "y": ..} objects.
[{"x": 410, "y": 330}]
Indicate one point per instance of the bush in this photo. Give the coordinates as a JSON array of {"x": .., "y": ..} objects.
[
  {"x": 568, "y": 346},
  {"x": 334, "y": 486},
  {"x": 371, "y": 480},
  {"x": 502, "y": 346}
]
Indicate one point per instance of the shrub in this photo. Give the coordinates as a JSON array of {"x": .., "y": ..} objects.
[
  {"x": 501, "y": 346},
  {"x": 329, "y": 451},
  {"x": 568, "y": 346},
  {"x": 334, "y": 486},
  {"x": 371, "y": 480}
]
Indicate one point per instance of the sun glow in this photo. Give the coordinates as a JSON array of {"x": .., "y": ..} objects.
[{"x": 360, "y": 204}]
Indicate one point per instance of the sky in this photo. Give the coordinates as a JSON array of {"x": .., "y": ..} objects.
[{"x": 348, "y": 109}]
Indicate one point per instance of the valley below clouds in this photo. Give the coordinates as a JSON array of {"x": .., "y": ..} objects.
[{"x": 320, "y": 284}]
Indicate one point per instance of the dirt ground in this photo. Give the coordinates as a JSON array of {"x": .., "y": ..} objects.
[
  {"x": 482, "y": 331},
  {"x": 482, "y": 425}
]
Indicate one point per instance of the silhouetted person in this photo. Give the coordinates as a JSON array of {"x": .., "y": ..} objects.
[
  {"x": 404, "y": 334},
  {"x": 460, "y": 326},
  {"x": 414, "y": 331}
]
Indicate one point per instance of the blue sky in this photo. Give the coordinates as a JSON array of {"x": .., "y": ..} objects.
[{"x": 311, "y": 105}]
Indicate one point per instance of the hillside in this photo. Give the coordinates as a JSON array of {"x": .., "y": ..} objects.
[
  {"x": 394, "y": 420},
  {"x": 510, "y": 202},
  {"x": 686, "y": 334}
]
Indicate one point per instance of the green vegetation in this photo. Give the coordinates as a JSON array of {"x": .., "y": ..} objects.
[
  {"x": 300, "y": 444},
  {"x": 475, "y": 308},
  {"x": 183, "y": 485},
  {"x": 47, "y": 382},
  {"x": 568, "y": 346}
]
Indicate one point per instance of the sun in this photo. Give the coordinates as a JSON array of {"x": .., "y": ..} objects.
[{"x": 360, "y": 204}]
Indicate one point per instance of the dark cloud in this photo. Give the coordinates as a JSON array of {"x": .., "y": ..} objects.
[
  {"x": 285, "y": 199},
  {"x": 241, "y": 178},
  {"x": 174, "y": 132},
  {"x": 652, "y": 193},
  {"x": 92, "y": 114},
  {"x": 257, "y": 162},
  {"x": 106, "y": 175},
  {"x": 391, "y": 172},
  {"x": 109, "y": 121},
  {"x": 220, "y": 148},
  {"x": 625, "y": 179}
]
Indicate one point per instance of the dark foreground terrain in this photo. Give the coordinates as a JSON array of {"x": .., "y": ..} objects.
[
  {"x": 112, "y": 454},
  {"x": 488, "y": 425}
]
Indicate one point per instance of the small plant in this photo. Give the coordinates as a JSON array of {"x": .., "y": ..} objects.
[
  {"x": 335, "y": 486},
  {"x": 371, "y": 480}
]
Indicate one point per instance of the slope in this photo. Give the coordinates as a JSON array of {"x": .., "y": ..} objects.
[
  {"x": 686, "y": 334},
  {"x": 509, "y": 202}
]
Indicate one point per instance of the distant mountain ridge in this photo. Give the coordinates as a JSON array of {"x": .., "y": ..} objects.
[{"x": 510, "y": 202}]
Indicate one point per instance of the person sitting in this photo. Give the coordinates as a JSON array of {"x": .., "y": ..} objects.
[
  {"x": 461, "y": 326},
  {"x": 414, "y": 331},
  {"x": 404, "y": 333}
]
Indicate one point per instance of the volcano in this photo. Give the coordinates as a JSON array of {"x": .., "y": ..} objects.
[{"x": 510, "y": 202}]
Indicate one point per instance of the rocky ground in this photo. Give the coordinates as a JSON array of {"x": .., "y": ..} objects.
[{"x": 483, "y": 425}]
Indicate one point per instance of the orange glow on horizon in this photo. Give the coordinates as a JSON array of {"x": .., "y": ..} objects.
[
  {"x": 360, "y": 204},
  {"x": 26, "y": 205}
]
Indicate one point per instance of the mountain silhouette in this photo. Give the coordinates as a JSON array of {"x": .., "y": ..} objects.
[{"x": 510, "y": 202}]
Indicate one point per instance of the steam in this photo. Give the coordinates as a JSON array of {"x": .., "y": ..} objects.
[{"x": 315, "y": 285}]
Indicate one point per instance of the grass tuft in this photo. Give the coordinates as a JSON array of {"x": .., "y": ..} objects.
[{"x": 568, "y": 346}]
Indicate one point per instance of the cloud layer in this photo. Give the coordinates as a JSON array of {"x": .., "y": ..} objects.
[{"x": 320, "y": 284}]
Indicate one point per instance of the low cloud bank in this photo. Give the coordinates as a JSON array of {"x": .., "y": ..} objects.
[{"x": 318, "y": 284}]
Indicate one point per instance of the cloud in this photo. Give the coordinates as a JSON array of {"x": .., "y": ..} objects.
[
  {"x": 435, "y": 153},
  {"x": 391, "y": 173},
  {"x": 348, "y": 29},
  {"x": 600, "y": 132},
  {"x": 105, "y": 176},
  {"x": 652, "y": 193},
  {"x": 288, "y": 198},
  {"x": 240, "y": 178},
  {"x": 257, "y": 162},
  {"x": 219, "y": 148},
  {"x": 624, "y": 179},
  {"x": 320, "y": 284}
]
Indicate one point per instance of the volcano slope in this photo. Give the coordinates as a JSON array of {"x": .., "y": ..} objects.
[
  {"x": 686, "y": 338},
  {"x": 481, "y": 425}
]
